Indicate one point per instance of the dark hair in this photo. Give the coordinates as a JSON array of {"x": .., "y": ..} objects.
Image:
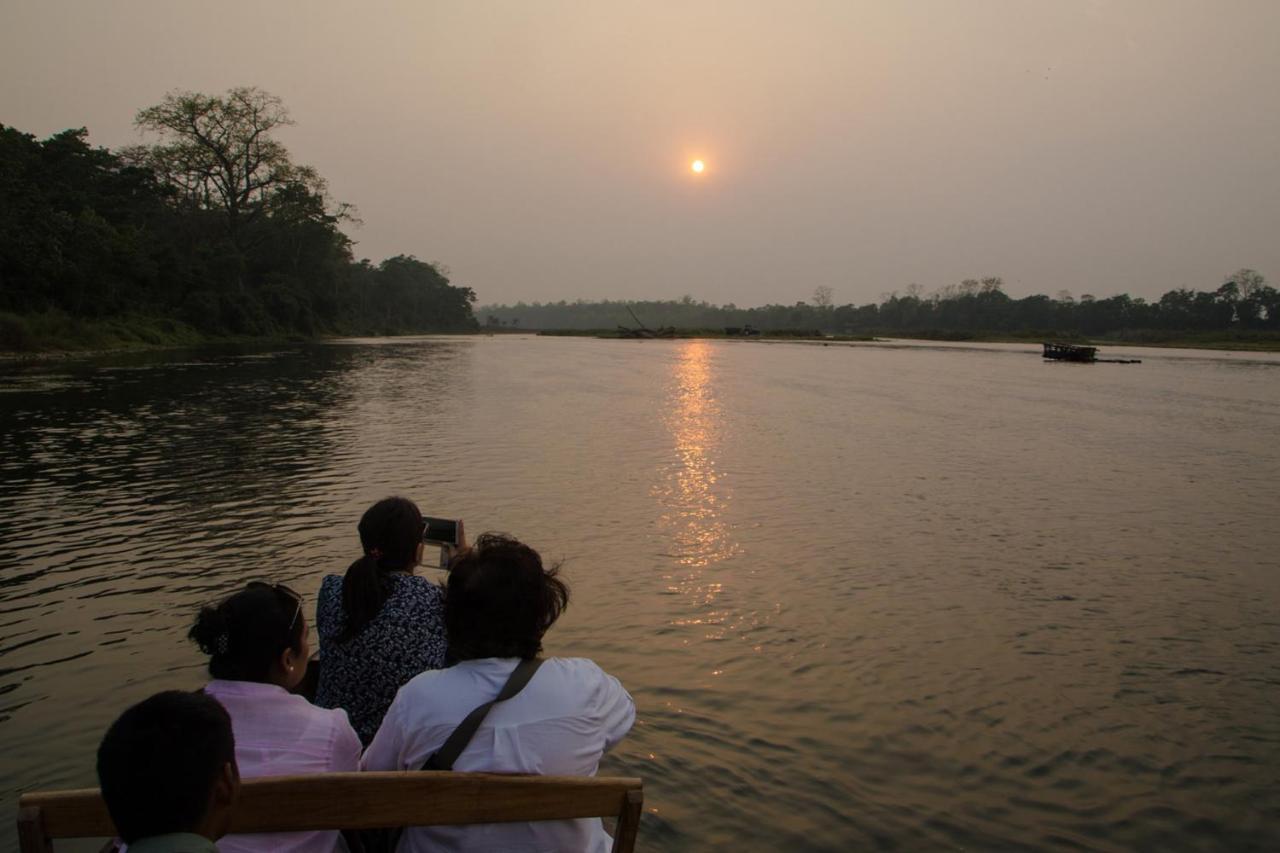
[
  {"x": 245, "y": 634},
  {"x": 390, "y": 533},
  {"x": 158, "y": 763},
  {"x": 499, "y": 600}
]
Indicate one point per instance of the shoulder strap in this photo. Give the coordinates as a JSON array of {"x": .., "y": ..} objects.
[{"x": 443, "y": 758}]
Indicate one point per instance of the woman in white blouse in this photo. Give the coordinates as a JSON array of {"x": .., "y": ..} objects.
[
  {"x": 499, "y": 602},
  {"x": 257, "y": 646}
]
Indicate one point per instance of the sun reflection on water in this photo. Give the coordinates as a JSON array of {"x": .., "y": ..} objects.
[{"x": 692, "y": 496}]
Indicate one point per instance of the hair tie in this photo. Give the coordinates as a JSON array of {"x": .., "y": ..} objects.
[
  {"x": 376, "y": 553},
  {"x": 223, "y": 643}
]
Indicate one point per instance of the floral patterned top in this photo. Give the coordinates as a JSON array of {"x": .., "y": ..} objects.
[{"x": 363, "y": 674}]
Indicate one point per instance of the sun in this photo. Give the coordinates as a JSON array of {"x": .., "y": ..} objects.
[{"x": 697, "y": 167}]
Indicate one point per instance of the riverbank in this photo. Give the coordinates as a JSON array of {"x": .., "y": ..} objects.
[
  {"x": 1243, "y": 341},
  {"x": 55, "y": 336},
  {"x": 1250, "y": 341},
  {"x": 783, "y": 335}
]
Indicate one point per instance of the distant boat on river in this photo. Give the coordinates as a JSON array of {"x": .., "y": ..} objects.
[
  {"x": 1075, "y": 352},
  {"x": 1070, "y": 352}
]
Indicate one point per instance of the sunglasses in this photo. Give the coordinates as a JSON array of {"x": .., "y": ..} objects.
[{"x": 282, "y": 590}]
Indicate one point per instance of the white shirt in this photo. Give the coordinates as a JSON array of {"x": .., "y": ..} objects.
[
  {"x": 560, "y": 724},
  {"x": 279, "y": 734}
]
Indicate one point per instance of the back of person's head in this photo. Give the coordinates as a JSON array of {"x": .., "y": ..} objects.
[
  {"x": 162, "y": 762},
  {"x": 500, "y": 601},
  {"x": 390, "y": 535},
  {"x": 246, "y": 633}
]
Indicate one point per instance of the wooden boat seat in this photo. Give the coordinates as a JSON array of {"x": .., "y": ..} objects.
[{"x": 365, "y": 801}]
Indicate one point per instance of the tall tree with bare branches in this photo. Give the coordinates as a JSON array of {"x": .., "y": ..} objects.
[{"x": 218, "y": 152}]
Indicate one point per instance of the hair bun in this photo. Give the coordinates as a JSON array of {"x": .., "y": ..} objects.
[{"x": 212, "y": 633}]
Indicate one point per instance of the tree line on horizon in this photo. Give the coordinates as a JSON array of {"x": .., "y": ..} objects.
[
  {"x": 211, "y": 224},
  {"x": 1244, "y": 302}
]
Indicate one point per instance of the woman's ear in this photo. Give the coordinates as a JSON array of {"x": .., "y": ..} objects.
[
  {"x": 287, "y": 660},
  {"x": 293, "y": 667}
]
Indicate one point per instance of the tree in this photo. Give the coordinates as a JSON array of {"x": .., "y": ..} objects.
[
  {"x": 1247, "y": 282},
  {"x": 218, "y": 153},
  {"x": 822, "y": 296}
]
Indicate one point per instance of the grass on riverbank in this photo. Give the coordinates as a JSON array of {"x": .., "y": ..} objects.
[
  {"x": 53, "y": 332},
  {"x": 1242, "y": 340}
]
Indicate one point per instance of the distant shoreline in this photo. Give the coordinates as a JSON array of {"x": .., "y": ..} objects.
[
  {"x": 1186, "y": 342},
  {"x": 61, "y": 338},
  {"x": 195, "y": 340}
]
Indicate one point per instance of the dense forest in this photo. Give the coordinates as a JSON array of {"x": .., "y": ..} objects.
[
  {"x": 209, "y": 230},
  {"x": 1244, "y": 306}
]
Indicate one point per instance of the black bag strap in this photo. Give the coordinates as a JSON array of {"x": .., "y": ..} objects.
[{"x": 443, "y": 758}]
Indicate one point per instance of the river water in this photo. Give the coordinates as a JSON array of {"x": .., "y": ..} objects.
[{"x": 901, "y": 597}]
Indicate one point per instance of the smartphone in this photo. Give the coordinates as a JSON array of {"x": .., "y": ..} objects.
[{"x": 441, "y": 531}]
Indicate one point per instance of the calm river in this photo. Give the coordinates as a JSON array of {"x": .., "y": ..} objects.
[{"x": 901, "y": 597}]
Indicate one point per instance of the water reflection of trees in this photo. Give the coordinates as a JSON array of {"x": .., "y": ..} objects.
[{"x": 154, "y": 452}]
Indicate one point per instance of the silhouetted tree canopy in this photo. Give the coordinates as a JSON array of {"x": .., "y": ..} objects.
[
  {"x": 213, "y": 225},
  {"x": 971, "y": 308}
]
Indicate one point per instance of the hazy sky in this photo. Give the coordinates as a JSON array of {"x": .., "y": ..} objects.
[{"x": 541, "y": 149}]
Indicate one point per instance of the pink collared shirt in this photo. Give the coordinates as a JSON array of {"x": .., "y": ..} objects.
[{"x": 279, "y": 734}]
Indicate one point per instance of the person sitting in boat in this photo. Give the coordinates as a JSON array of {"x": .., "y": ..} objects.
[
  {"x": 167, "y": 769},
  {"x": 257, "y": 645},
  {"x": 380, "y": 624},
  {"x": 499, "y": 603}
]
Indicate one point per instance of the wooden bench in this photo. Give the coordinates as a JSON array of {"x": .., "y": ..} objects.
[{"x": 365, "y": 801}]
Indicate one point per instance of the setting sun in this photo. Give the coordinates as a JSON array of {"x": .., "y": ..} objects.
[{"x": 698, "y": 166}]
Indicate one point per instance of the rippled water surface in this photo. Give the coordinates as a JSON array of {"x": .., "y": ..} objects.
[{"x": 866, "y": 597}]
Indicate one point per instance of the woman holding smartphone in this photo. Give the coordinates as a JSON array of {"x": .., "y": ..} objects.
[
  {"x": 379, "y": 624},
  {"x": 256, "y": 641}
]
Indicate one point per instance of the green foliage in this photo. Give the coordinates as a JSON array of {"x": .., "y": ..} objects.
[
  {"x": 177, "y": 231},
  {"x": 57, "y": 330}
]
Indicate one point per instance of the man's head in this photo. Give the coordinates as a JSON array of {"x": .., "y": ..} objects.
[
  {"x": 167, "y": 765},
  {"x": 500, "y": 600}
]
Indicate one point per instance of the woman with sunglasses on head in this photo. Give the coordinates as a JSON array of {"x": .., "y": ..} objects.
[
  {"x": 380, "y": 624},
  {"x": 257, "y": 645}
]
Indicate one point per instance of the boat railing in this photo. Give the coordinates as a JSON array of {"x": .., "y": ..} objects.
[{"x": 365, "y": 801}]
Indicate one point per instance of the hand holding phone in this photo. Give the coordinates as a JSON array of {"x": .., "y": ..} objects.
[
  {"x": 442, "y": 531},
  {"x": 448, "y": 533}
]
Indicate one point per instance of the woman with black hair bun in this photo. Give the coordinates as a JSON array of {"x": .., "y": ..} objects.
[
  {"x": 380, "y": 624},
  {"x": 256, "y": 641}
]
